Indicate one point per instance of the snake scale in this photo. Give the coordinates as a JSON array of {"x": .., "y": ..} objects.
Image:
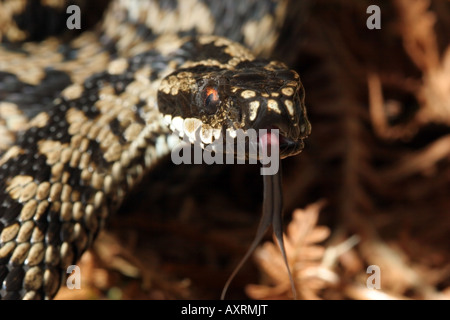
[{"x": 82, "y": 119}]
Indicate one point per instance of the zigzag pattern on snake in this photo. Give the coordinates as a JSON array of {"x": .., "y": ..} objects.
[{"x": 82, "y": 121}]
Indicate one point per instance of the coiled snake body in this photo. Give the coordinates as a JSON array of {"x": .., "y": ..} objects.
[{"x": 83, "y": 121}]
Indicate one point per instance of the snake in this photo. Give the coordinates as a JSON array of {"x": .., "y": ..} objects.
[{"x": 84, "y": 116}]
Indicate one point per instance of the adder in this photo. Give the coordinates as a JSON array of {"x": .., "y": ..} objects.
[{"x": 83, "y": 119}]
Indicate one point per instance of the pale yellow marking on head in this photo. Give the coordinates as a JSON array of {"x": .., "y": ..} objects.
[
  {"x": 254, "y": 107},
  {"x": 273, "y": 65},
  {"x": 186, "y": 81},
  {"x": 164, "y": 86},
  {"x": 183, "y": 81},
  {"x": 184, "y": 74},
  {"x": 118, "y": 66},
  {"x": 272, "y": 105},
  {"x": 287, "y": 91},
  {"x": 174, "y": 91},
  {"x": 246, "y": 94},
  {"x": 191, "y": 125},
  {"x": 290, "y": 107},
  {"x": 206, "y": 134}
]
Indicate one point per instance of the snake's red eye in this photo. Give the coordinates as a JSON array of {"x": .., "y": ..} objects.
[{"x": 212, "y": 101}]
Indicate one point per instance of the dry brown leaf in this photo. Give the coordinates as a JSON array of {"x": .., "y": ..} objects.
[
  {"x": 304, "y": 256},
  {"x": 420, "y": 42},
  {"x": 419, "y": 39},
  {"x": 416, "y": 23},
  {"x": 436, "y": 93}
]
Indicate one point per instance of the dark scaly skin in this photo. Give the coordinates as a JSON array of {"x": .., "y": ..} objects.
[{"x": 77, "y": 161}]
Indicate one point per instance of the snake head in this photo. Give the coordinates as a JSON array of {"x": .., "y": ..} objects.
[{"x": 202, "y": 102}]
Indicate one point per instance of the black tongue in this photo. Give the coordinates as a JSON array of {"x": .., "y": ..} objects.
[{"x": 272, "y": 214}]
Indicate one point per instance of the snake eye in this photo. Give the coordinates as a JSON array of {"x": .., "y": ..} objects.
[{"x": 212, "y": 101}]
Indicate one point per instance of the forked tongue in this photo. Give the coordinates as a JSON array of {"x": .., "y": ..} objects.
[{"x": 271, "y": 212}]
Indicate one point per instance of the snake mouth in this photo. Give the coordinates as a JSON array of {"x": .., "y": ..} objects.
[
  {"x": 287, "y": 145},
  {"x": 244, "y": 144}
]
